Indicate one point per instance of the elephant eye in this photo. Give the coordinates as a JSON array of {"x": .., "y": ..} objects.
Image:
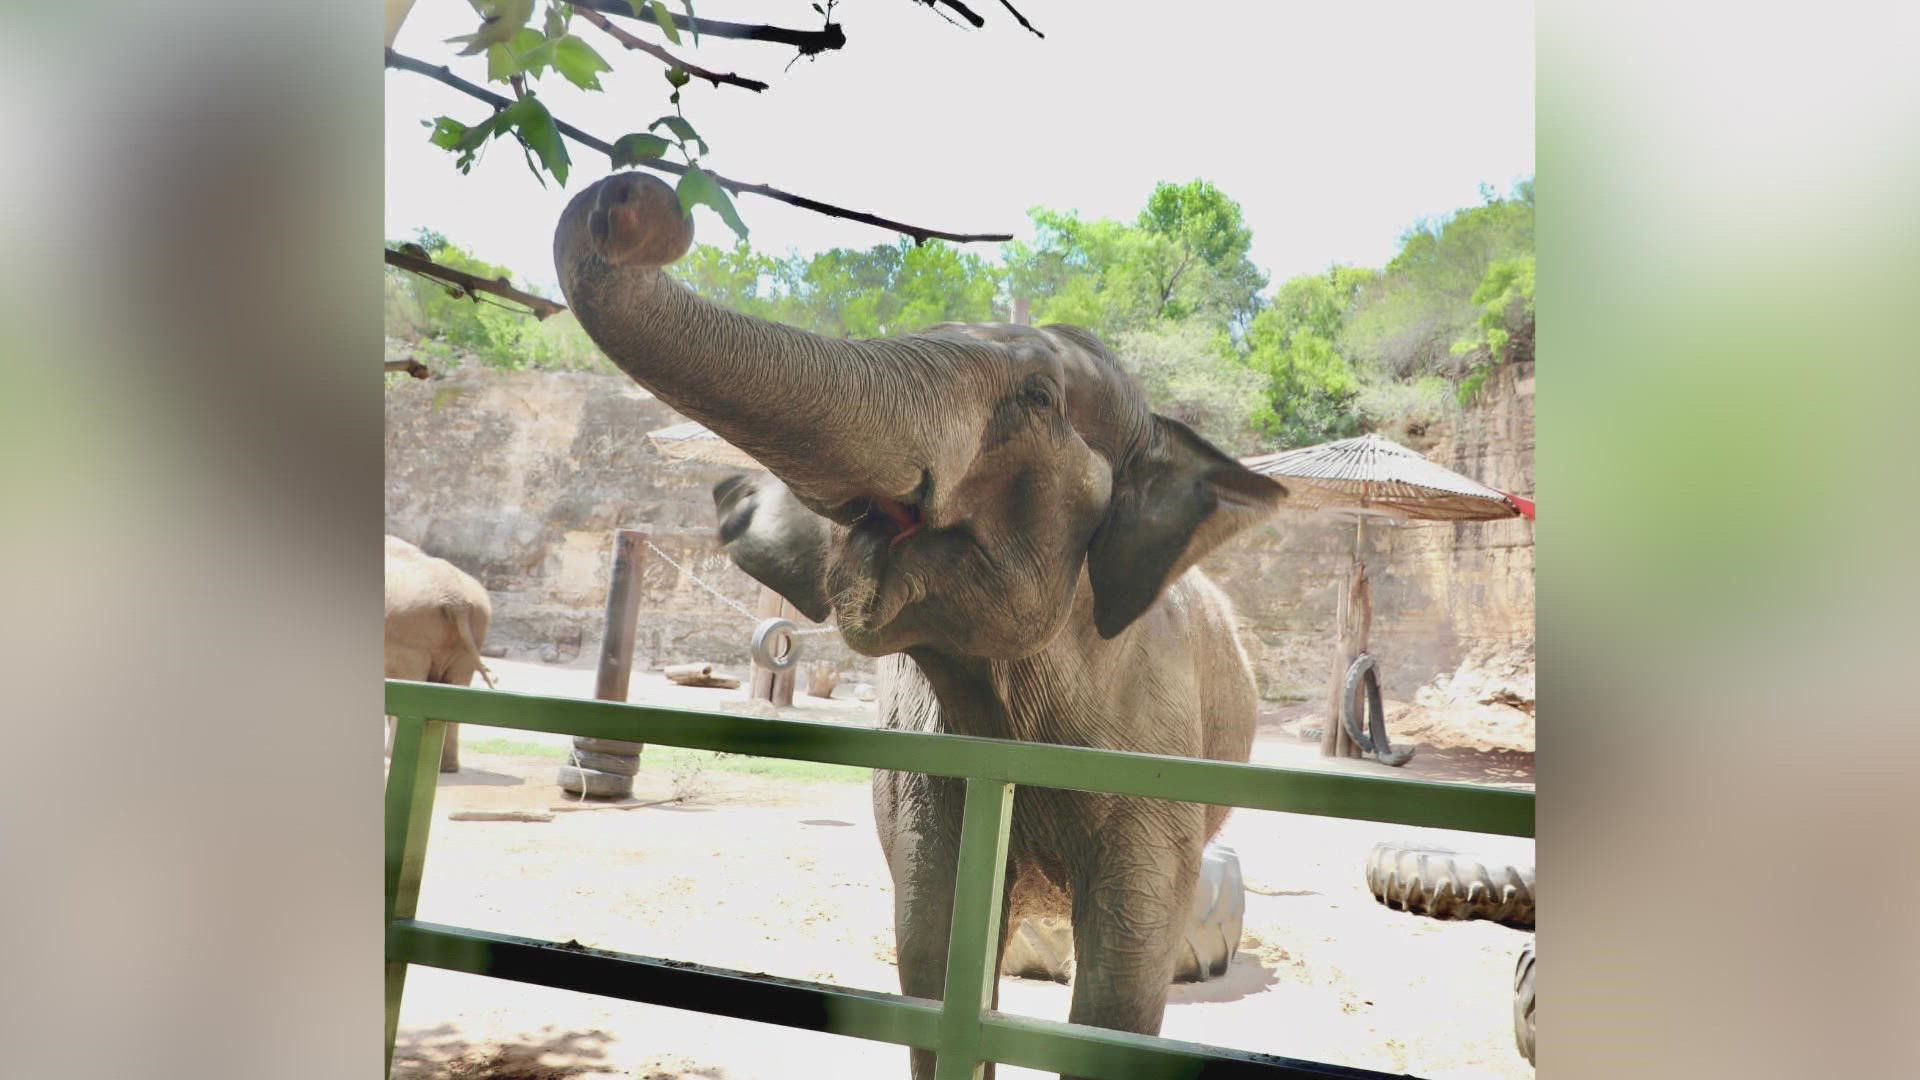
[{"x": 1038, "y": 395}]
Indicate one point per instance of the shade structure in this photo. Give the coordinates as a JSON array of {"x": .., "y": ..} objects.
[
  {"x": 1374, "y": 476},
  {"x": 696, "y": 442}
]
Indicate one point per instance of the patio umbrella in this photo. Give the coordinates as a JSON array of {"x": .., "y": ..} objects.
[
  {"x": 695, "y": 442},
  {"x": 1373, "y": 477}
]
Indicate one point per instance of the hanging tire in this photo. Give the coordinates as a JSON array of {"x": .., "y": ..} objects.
[
  {"x": 1442, "y": 884},
  {"x": 775, "y": 646},
  {"x": 1364, "y": 675},
  {"x": 618, "y": 764},
  {"x": 1042, "y": 947},
  {"x": 1523, "y": 1002}
]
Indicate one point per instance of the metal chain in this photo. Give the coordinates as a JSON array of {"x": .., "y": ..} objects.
[{"x": 728, "y": 600}]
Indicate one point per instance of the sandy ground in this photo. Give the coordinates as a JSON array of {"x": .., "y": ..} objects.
[{"x": 784, "y": 876}]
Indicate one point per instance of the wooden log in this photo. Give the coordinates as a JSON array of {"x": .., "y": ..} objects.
[
  {"x": 677, "y": 672},
  {"x": 500, "y": 815},
  {"x": 711, "y": 682}
]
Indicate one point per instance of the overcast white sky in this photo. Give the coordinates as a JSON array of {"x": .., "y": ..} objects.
[{"x": 1335, "y": 124}]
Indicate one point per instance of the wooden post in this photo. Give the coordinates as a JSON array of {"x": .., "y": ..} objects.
[
  {"x": 769, "y": 685},
  {"x": 623, "y": 616},
  {"x": 1354, "y": 619},
  {"x": 615, "y": 673},
  {"x": 1022, "y": 311}
]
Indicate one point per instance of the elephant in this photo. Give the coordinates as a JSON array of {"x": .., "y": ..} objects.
[
  {"x": 995, "y": 512},
  {"x": 437, "y": 617}
]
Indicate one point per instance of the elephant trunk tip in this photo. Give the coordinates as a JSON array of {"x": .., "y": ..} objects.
[{"x": 636, "y": 220}]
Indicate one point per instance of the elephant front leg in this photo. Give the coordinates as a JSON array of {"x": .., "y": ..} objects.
[
  {"x": 450, "y": 750},
  {"x": 923, "y": 854},
  {"x": 1130, "y": 902}
]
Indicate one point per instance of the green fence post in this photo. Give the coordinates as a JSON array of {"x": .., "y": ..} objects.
[
  {"x": 973, "y": 945},
  {"x": 412, "y": 777}
]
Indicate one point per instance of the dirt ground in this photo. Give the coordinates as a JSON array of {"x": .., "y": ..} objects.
[{"x": 782, "y": 874}]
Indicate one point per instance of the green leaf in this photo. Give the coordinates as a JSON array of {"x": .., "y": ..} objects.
[
  {"x": 639, "y": 8},
  {"x": 691, "y": 23},
  {"x": 635, "y": 148},
  {"x": 534, "y": 126},
  {"x": 578, "y": 63},
  {"x": 558, "y": 16},
  {"x": 677, "y": 76},
  {"x": 698, "y": 188},
  {"x": 676, "y": 124},
  {"x": 446, "y": 132},
  {"x": 502, "y": 65},
  {"x": 665, "y": 22}
]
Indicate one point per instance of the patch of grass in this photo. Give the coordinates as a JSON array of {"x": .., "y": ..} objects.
[{"x": 669, "y": 758}]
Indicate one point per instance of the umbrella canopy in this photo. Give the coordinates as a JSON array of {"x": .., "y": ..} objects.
[
  {"x": 694, "y": 442},
  {"x": 1375, "y": 476}
]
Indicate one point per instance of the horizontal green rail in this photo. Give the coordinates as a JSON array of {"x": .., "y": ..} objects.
[
  {"x": 1259, "y": 787},
  {"x": 742, "y": 995},
  {"x": 810, "y": 1006},
  {"x": 962, "y": 1030}
]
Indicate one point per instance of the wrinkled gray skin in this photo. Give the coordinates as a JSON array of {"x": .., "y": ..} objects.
[
  {"x": 437, "y": 618},
  {"x": 995, "y": 509}
]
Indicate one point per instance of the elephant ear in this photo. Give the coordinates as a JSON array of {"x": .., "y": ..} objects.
[
  {"x": 778, "y": 542},
  {"x": 1173, "y": 502}
]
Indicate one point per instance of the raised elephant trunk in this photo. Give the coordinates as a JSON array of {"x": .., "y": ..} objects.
[{"x": 848, "y": 425}]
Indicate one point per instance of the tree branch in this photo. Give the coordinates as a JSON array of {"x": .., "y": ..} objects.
[
  {"x": 623, "y": 37},
  {"x": 808, "y": 42},
  {"x": 541, "y": 306},
  {"x": 411, "y": 366},
  {"x": 920, "y": 235},
  {"x": 1023, "y": 19},
  {"x": 960, "y": 9}
]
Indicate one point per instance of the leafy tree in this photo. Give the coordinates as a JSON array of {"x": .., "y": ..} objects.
[
  {"x": 1185, "y": 256},
  {"x": 1187, "y": 371},
  {"x": 1406, "y": 321},
  {"x": 1505, "y": 328},
  {"x": 1203, "y": 266}
]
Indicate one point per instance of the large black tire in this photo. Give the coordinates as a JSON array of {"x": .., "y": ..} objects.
[
  {"x": 1444, "y": 884},
  {"x": 595, "y": 783},
  {"x": 1523, "y": 1002},
  {"x": 618, "y": 764},
  {"x": 605, "y": 746}
]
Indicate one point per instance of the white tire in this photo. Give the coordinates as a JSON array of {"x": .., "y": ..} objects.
[{"x": 1042, "y": 948}]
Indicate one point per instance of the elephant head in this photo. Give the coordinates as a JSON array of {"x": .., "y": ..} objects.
[{"x": 942, "y": 490}]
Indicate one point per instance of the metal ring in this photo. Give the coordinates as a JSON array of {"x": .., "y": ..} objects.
[{"x": 772, "y": 634}]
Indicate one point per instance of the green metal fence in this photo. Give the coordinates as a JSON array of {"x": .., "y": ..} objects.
[{"x": 961, "y": 1028}]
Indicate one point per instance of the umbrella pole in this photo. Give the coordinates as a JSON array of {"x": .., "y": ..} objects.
[{"x": 1353, "y": 620}]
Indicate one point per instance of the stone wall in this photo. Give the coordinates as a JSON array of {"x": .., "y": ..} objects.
[{"x": 520, "y": 478}]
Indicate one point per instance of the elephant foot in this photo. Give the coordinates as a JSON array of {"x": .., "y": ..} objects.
[{"x": 636, "y": 218}]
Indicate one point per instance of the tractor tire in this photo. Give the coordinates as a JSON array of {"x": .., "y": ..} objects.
[
  {"x": 1523, "y": 1002},
  {"x": 1444, "y": 884},
  {"x": 606, "y": 746},
  {"x": 1042, "y": 947},
  {"x": 618, "y": 764},
  {"x": 594, "y": 783}
]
